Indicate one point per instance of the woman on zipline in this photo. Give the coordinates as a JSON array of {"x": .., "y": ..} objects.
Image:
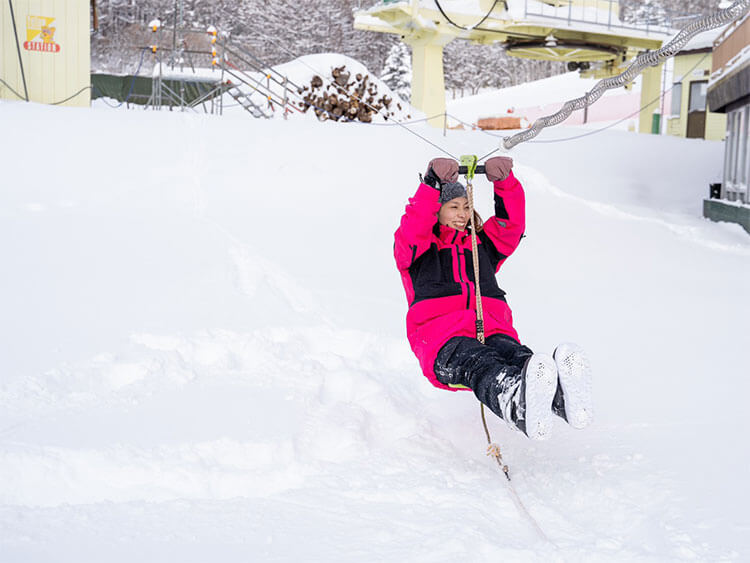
[{"x": 433, "y": 253}]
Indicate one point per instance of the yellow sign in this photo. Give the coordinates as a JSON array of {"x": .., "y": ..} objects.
[{"x": 40, "y": 35}]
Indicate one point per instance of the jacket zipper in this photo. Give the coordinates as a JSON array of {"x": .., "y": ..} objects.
[{"x": 462, "y": 269}]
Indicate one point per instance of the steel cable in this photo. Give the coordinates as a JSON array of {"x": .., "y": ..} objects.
[
  {"x": 8, "y": 86},
  {"x": 340, "y": 89},
  {"x": 589, "y": 133},
  {"x": 644, "y": 60},
  {"x": 475, "y": 26}
]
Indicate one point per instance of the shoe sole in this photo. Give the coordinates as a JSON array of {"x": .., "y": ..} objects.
[
  {"x": 541, "y": 384},
  {"x": 574, "y": 371}
]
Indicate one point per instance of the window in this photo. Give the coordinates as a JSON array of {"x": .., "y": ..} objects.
[
  {"x": 737, "y": 156},
  {"x": 698, "y": 92},
  {"x": 676, "y": 98},
  {"x": 728, "y": 153},
  {"x": 742, "y": 148}
]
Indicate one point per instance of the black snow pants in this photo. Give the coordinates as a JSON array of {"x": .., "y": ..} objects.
[{"x": 487, "y": 369}]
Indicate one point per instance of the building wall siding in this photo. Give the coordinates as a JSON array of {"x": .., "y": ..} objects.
[
  {"x": 716, "y": 123},
  {"x": 51, "y": 75},
  {"x": 731, "y": 44}
]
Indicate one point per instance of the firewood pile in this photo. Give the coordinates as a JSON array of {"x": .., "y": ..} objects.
[{"x": 346, "y": 98}]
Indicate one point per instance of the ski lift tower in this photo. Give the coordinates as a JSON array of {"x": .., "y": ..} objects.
[{"x": 588, "y": 35}]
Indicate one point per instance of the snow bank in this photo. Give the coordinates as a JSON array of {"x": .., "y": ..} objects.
[
  {"x": 203, "y": 355},
  {"x": 300, "y": 72}
]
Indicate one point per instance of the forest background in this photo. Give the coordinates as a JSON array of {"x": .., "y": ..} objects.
[{"x": 279, "y": 30}]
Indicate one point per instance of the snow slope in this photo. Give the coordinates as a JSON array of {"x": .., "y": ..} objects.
[
  {"x": 203, "y": 353},
  {"x": 545, "y": 97}
]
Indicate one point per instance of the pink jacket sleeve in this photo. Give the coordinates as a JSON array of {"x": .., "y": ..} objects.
[
  {"x": 506, "y": 228},
  {"x": 414, "y": 235}
]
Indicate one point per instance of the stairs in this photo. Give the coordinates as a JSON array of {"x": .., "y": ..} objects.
[{"x": 243, "y": 99}]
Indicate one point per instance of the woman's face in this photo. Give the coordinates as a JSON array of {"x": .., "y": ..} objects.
[{"x": 455, "y": 213}]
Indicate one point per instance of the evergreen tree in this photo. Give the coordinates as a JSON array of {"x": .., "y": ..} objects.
[
  {"x": 278, "y": 30},
  {"x": 650, "y": 12},
  {"x": 677, "y": 13},
  {"x": 397, "y": 71}
]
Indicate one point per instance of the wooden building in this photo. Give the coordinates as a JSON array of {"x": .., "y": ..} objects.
[
  {"x": 690, "y": 116},
  {"x": 45, "y": 51},
  {"x": 729, "y": 93}
]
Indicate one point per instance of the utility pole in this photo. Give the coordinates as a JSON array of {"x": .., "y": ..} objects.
[{"x": 174, "y": 33}]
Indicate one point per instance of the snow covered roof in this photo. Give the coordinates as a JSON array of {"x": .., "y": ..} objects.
[
  {"x": 704, "y": 40},
  {"x": 196, "y": 74}
]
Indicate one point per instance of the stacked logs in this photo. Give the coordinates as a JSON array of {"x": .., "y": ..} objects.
[{"x": 346, "y": 98}]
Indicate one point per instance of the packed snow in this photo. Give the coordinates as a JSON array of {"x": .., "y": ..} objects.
[{"x": 204, "y": 357}]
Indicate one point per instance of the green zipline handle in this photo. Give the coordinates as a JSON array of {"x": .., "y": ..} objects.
[{"x": 468, "y": 165}]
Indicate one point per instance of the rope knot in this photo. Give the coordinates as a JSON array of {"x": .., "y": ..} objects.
[{"x": 493, "y": 450}]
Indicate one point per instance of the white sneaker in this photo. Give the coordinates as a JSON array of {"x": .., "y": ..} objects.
[
  {"x": 538, "y": 387},
  {"x": 573, "y": 400}
]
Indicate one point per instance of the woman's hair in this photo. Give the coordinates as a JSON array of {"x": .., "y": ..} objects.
[{"x": 478, "y": 220}]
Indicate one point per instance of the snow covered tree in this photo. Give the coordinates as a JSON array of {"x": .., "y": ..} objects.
[
  {"x": 470, "y": 67},
  {"x": 278, "y": 30},
  {"x": 397, "y": 71},
  {"x": 676, "y": 13},
  {"x": 651, "y": 12}
]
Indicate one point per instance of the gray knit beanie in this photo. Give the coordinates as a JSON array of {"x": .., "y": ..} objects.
[{"x": 451, "y": 190}]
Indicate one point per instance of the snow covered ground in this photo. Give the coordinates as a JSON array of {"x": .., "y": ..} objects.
[
  {"x": 202, "y": 353},
  {"x": 546, "y": 97}
]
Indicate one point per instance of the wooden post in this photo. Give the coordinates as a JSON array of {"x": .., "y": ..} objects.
[{"x": 95, "y": 15}]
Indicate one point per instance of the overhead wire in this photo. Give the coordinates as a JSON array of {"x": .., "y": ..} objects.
[
  {"x": 640, "y": 110},
  {"x": 82, "y": 90},
  {"x": 682, "y": 38},
  {"x": 476, "y": 25},
  {"x": 507, "y": 33},
  {"x": 644, "y": 60},
  {"x": 9, "y": 87},
  {"x": 296, "y": 56},
  {"x": 609, "y": 126},
  {"x": 299, "y": 59}
]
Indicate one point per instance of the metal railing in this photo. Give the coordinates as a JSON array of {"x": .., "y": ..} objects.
[{"x": 604, "y": 13}]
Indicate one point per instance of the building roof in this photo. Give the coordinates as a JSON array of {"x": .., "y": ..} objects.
[{"x": 704, "y": 41}]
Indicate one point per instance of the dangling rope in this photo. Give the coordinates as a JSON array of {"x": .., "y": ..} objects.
[{"x": 493, "y": 449}]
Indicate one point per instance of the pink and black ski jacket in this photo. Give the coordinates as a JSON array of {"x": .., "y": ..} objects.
[{"x": 435, "y": 262}]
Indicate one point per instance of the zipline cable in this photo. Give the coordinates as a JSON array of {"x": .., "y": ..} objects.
[
  {"x": 340, "y": 89},
  {"x": 589, "y": 133},
  {"x": 644, "y": 60},
  {"x": 398, "y": 123}
]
